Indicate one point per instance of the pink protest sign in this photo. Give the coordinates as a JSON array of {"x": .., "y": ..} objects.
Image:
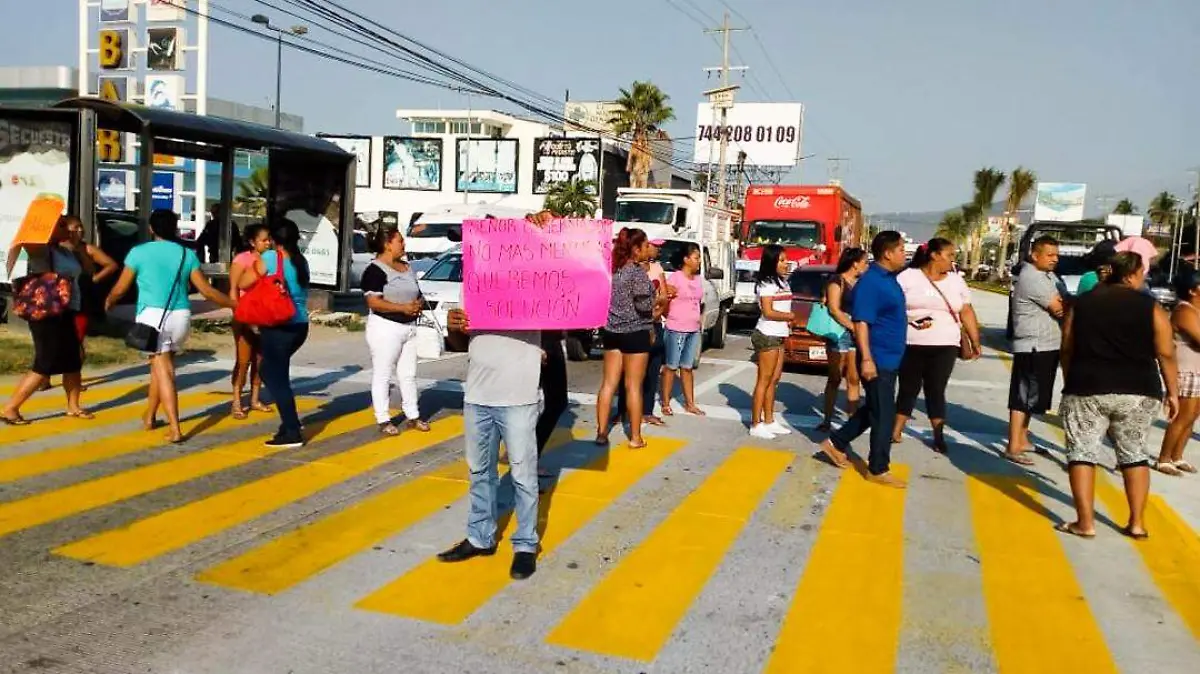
[{"x": 518, "y": 276}]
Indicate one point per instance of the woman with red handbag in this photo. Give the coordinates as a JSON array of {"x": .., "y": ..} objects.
[
  {"x": 286, "y": 268},
  {"x": 247, "y": 268},
  {"x": 48, "y": 298}
]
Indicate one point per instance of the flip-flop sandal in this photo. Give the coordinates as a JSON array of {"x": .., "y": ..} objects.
[
  {"x": 238, "y": 414},
  {"x": 261, "y": 408},
  {"x": 601, "y": 440},
  {"x": 1168, "y": 468},
  {"x": 388, "y": 428},
  {"x": 695, "y": 411},
  {"x": 418, "y": 425},
  {"x": 1137, "y": 536},
  {"x": 1066, "y": 528},
  {"x": 1185, "y": 466},
  {"x": 655, "y": 421},
  {"x": 637, "y": 445},
  {"x": 17, "y": 420},
  {"x": 1019, "y": 459},
  {"x": 82, "y": 414},
  {"x": 668, "y": 412}
]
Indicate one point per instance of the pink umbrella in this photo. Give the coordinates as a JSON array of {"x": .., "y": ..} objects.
[{"x": 1136, "y": 244}]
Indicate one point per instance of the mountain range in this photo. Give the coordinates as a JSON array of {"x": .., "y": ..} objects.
[{"x": 921, "y": 225}]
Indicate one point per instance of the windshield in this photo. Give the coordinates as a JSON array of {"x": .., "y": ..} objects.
[
  {"x": 360, "y": 242},
  {"x": 669, "y": 253},
  {"x": 655, "y": 212},
  {"x": 1071, "y": 265},
  {"x": 747, "y": 276},
  {"x": 448, "y": 268},
  {"x": 430, "y": 230},
  {"x": 797, "y": 233},
  {"x": 807, "y": 284}
]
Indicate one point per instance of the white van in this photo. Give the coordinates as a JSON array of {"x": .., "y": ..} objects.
[{"x": 426, "y": 234}]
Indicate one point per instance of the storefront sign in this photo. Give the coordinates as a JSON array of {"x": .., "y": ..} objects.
[
  {"x": 518, "y": 276},
  {"x": 561, "y": 160},
  {"x": 115, "y": 47},
  {"x": 162, "y": 190}
]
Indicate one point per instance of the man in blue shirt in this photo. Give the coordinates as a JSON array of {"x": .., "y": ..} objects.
[{"x": 880, "y": 329}]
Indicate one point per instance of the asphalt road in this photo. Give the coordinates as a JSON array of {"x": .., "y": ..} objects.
[{"x": 706, "y": 552}]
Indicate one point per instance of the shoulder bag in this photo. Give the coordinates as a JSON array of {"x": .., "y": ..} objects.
[
  {"x": 37, "y": 297},
  {"x": 144, "y": 337},
  {"x": 966, "y": 349},
  {"x": 822, "y": 324},
  {"x": 430, "y": 338},
  {"x": 266, "y": 303}
]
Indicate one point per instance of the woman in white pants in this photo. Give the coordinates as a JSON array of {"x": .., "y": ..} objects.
[{"x": 394, "y": 298}]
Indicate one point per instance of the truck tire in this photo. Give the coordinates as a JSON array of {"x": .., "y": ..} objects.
[
  {"x": 577, "y": 350},
  {"x": 718, "y": 332}
]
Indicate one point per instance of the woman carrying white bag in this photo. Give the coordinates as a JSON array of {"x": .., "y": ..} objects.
[{"x": 394, "y": 299}]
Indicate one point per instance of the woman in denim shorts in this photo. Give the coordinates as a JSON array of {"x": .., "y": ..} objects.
[
  {"x": 842, "y": 362},
  {"x": 681, "y": 339},
  {"x": 775, "y": 301}
]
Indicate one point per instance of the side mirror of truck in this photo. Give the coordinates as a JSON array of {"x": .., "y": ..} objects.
[
  {"x": 454, "y": 234},
  {"x": 714, "y": 274}
]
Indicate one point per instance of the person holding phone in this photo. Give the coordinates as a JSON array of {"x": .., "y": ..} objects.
[{"x": 941, "y": 323}]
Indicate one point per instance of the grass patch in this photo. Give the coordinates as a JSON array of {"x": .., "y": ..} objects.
[
  {"x": 998, "y": 288},
  {"x": 16, "y": 351}
]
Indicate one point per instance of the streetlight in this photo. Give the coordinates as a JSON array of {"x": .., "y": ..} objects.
[{"x": 265, "y": 22}]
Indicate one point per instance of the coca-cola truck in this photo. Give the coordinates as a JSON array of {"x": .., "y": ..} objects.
[{"x": 814, "y": 223}]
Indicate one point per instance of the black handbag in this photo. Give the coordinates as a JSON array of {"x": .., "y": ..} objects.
[{"x": 144, "y": 337}]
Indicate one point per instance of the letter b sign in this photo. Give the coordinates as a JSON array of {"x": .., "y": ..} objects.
[{"x": 112, "y": 49}]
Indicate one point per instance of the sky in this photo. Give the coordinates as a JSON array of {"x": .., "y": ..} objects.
[{"x": 916, "y": 93}]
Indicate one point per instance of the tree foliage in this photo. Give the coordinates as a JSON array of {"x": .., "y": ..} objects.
[
  {"x": 574, "y": 199},
  {"x": 641, "y": 111}
]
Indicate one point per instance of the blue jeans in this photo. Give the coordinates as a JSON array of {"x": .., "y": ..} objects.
[
  {"x": 278, "y": 344},
  {"x": 484, "y": 428},
  {"x": 681, "y": 349},
  {"x": 877, "y": 413}
]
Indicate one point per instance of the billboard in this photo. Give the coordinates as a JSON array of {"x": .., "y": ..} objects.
[
  {"x": 590, "y": 116},
  {"x": 112, "y": 189},
  {"x": 412, "y": 163},
  {"x": 769, "y": 133},
  {"x": 162, "y": 190},
  {"x": 35, "y": 159},
  {"x": 1059, "y": 202},
  {"x": 360, "y": 147},
  {"x": 163, "y": 48},
  {"x": 164, "y": 91},
  {"x": 165, "y": 10},
  {"x": 561, "y": 160},
  {"x": 115, "y": 11},
  {"x": 487, "y": 165}
]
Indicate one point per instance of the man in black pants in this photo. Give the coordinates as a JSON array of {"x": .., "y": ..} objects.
[{"x": 554, "y": 389}]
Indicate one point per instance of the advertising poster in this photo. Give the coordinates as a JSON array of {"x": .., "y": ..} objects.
[
  {"x": 487, "y": 165},
  {"x": 113, "y": 88},
  {"x": 360, "y": 147},
  {"x": 162, "y": 190},
  {"x": 163, "y": 91},
  {"x": 561, "y": 160},
  {"x": 34, "y": 161},
  {"x": 112, "y": 190},
  {"x": 114, "y": 11},
  {"x": 1059, "y": 202},
  {"x": 165, "y": 10},
  {"x": 162, "y": 48},
  {"x": 518, "y": 276},
  {"x": 309, "y": 193},
  {"x": 769, "y": 133},
  {"x": 412, "y": 163}
]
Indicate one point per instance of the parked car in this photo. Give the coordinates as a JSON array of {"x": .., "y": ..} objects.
[
  {"x": 442, "y": 286},
  {"x": 360, "y": 257},
  {"x": 808, "y": 287},
  {"x": 745, "y": 302}
]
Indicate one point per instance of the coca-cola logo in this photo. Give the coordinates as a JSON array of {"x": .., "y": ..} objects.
[{"x": 791, "y": 202}]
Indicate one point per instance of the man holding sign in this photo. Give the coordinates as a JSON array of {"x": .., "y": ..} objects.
[{"x": 519, "y": 276}]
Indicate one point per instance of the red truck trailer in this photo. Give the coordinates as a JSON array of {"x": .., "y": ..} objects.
[{"x": 814, "y": 223}]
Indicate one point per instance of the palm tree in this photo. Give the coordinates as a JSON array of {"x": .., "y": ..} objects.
[
  {"x": 1125, "y": 207},
  {"x": 1021, "y": 183},
  {"x": 1162, "y": 207},
  {"x": 251, "y": 198},
  {"x": 954, "y": 226},
  {"x": 574, "y": 199},
  {"x": 641, "y": 111},
  {"x": 988, "y": 182}
]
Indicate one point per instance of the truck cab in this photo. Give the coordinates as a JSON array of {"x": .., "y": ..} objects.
[
  {"x": 426, "y": 236},
  {"x": 813, "y": 223}
]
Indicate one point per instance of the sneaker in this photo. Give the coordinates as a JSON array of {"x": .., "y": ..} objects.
[
  {"x": 762, "y": 431},
  {"x": 778, "y": 428},
  {"x": 285, "y": 442}
]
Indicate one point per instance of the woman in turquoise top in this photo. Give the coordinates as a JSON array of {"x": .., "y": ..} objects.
[
  {"x": 1099, "y": 259},
  {"x": 279, "y": 343}
]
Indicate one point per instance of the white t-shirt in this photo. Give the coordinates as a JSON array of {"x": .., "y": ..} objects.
[
  {"x": 781, "y": 301},
  {"x": 921, "y": 300}
]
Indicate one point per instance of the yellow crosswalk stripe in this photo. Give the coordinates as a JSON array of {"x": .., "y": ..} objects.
[
  {"x": 634, "y": 610},
  {"x": 179, "y": 527},
  {"x": 59, "y": 503},
  {"x": 449, "y": 593},
  {"x": 1171, "y": 554},
  {"x": 846, "y": 614},
  {"x": 215, "y": 420},
  {"x": 114, "y": 415},
  {"x": 302, "y": 554},
  {"x": 55, "y": 400},
  {"x": 1039, "y": 619}
]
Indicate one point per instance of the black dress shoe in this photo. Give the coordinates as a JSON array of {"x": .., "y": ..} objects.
[
  {"x": 464, "y": 551},
  {"x": 523, "y": 565}
]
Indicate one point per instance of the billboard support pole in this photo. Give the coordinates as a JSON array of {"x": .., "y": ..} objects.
[
  {"x": 725, "y": 30},
  {"x": 467, "y": 171}
]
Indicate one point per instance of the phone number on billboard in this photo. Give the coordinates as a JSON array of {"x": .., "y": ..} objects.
[{"x": 748, "y": 133}]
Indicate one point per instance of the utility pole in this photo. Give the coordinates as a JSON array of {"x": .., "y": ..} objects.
[
  {"x": 725, "y": 68},
  {"x": 835, "y": 169}
]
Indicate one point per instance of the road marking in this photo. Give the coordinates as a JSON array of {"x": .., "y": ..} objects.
[
  {"x": 1032, "y": 597},
  {"x": 1171, "y": 554},
  {"x": 729, "y": 373},
  {"x": 63, "y": 424},
  {"x": 450, "y": 593},
  {"x": 60, "y": 503},
  {"x": 55, "y": 399},
  {"x": 634, "y": 610},
  {"x": 846, "y": 613},
  {"x": 303, "y": 553},
  {"x": 112, "y": 446},
  {"x": 179, "y": 527}
]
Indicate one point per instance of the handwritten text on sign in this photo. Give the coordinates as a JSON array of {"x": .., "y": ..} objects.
[{"x": 518, "y": 276}]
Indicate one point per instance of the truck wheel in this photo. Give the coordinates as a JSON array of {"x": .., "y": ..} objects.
[
  {"x": 577, "y": 350},
  {"x": 716, "y": 336}
]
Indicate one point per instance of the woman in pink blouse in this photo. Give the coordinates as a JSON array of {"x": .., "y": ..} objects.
[
  {"x": 936, "y": 296},
  {"x": 248, "y": 267},
  {"x": 681, "y": 339}
]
